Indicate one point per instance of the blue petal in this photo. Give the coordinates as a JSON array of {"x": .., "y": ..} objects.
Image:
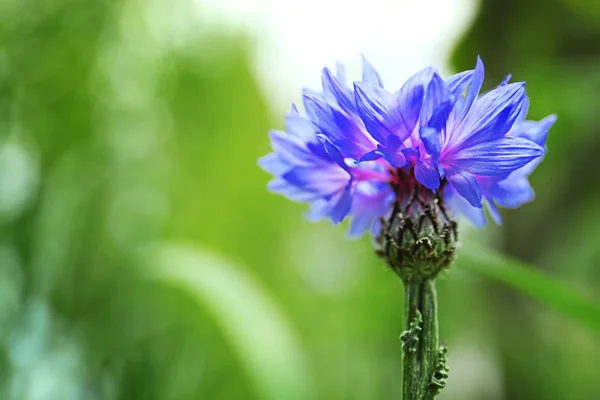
[
  {"x": 512, "y": 193},
  {"x": 495, "y": 214},
  {"x": 338, "y": 127},
  {"x": 466, "y": 185},
  {"x": 493, "y": 115},
  {"x": 313, "y": 103},
  {"x": 457, "y": 84},
  {"x": 290, "y": 148},
  {"x": 377, "y": 111},
  {"x": 324, "y": 181},
  {"x": 351, "y": 138},
  {"x": 359, "y": 225},
  {"x": 498, "y": 157},
  {"x": 300, "y": 127},
  {"x": 431, "y": 135},
  {"x": 412, "y": 155},
  {"x": 473, "y": 91},
  {"x": 368, "y": 207},
  {"x": 421, "y": 78},
  {"x": 274, "y": 164},
  {"x": 393, "y": 156},
  {"x": 335, "y": 92},
  {"x": 524, "y": 109},
  {"x": 340, "y": 73},
  {"x": 535, "y": 131},
  {"x": 335, "y": 207},
  {"x": 369, "y": 75},
  {"x": 319, "y": 209},
  {"x": 459, "y": 205},
  {"x": 292, "y": 192},
  {"x": 431, "y": 139},
  {"x": 410, "y": 97},
  {"x": 334, "y": 152},
  {"x": 342, "y": 206},
  {"x": 371, "y": 156},
  {"x": 506, "y": 80},
  {"x": 427, "y": 175},
  {"x": 436, "y": 93}
]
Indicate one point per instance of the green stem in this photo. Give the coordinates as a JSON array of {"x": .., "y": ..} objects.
[
  {"x": 421, "y": 343},
  {"x": 411, "y": 339}
]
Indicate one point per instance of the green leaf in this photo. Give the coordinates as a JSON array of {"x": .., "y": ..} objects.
[
  {"x": 255, "y": 327},
  {"x": 535, "y": 283}
]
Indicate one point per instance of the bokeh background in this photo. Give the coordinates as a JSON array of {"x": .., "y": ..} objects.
[{"x": 141, "y": 256}]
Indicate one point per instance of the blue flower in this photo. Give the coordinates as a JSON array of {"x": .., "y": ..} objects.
[{"x": 345, "y": 155}]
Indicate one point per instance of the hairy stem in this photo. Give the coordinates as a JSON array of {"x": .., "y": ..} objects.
[
  {"x": 411, "y": 338},
  {"x": 421, "y": 343}
]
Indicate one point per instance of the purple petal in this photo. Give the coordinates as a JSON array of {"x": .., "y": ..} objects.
[
  {"x": 493, "y": 115},
  {"x": 340, "y": 73},
  {"x": 369, "y": 204},
  {"x": 431, "y": 139},
  {"x": 319, "y": 209},
  {"x": 512, "y": 193},
  {"x": 333, "y": 152},
  {"x": 290, "y": 148},
  {"x": 459, "y": 205},
  {"x": 473, "y": 91},
  {"x": 466, "y": 185},
  {"x": 535, "y": 131},
  {"x": 377, "y": 111},
  {"x": 351, "y": 138},
  {"x": 369, "y": 75},
  {"x": 394, "y": 157},
  {"x": 292, "y": 192},
  {"x": 427, "y": 175},
  {"x": 336, "y": 207},
  {"x": 524, "y": 109},
  {"x": 410, "y": 97},
  {"x": 339, "y": 128},
  {"x": 498, "y": 157},
  {"x": 457, "y": 84},
  {"x": 319, "y": 113},
  {"x": 436, "y": 93},
  {"x": 325, "y": 181},
  {"x": 495, "y": 214},
  {"x": 274, "y": 164},
  {"x": 300, "y": 127},
  {"x": 506, "y": 80},
  {"x": 336, "y": 92},
  {"x": 342, "y": 206},
  {"x": 371, "y": 156}
]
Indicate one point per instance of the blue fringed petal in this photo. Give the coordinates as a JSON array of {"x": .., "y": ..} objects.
[
  {"x": 498, "y": 157},
  {"x": 467, "y": 186},
  {"x": 369, "y": 74}
]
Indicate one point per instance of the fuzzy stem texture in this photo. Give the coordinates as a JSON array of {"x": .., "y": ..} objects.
[{"x": 420, "y": 341}]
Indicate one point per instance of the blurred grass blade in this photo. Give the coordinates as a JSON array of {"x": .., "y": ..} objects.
[
  {"x": 250, "y": 320},
  {"x": 537, "y": 284}
]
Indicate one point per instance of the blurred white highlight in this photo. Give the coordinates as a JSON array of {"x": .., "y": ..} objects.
[{"x": 294, "y": 40}]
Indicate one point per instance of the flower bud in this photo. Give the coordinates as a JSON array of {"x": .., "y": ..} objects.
[{"x": 418, "y": 238}]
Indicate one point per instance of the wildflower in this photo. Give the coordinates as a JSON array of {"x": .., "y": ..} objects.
[
  {"x": 408, "y": 159},
  {"x": 400, "y": 165}
]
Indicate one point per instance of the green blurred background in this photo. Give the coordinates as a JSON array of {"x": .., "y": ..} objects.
[{"x": 141, "y": 256}]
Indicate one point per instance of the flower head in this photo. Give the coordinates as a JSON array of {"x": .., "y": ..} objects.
[{"x": 431, "y": 148}]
